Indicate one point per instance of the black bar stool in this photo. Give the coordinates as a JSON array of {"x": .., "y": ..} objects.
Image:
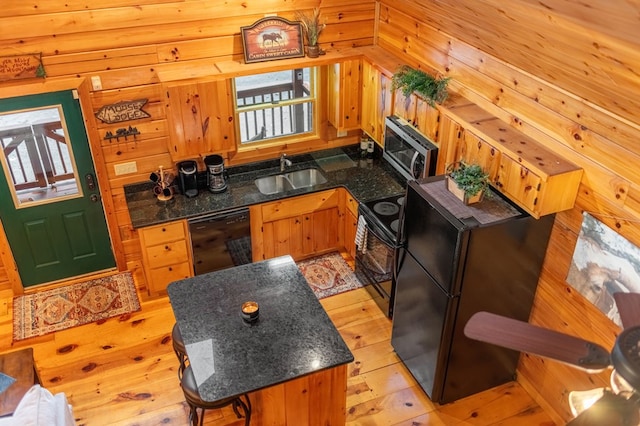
[
  {"x": 179, "y": 349},
  {"x": 192, "y": 397}
]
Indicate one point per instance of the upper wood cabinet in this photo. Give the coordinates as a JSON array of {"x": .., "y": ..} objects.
[
  {"x": 538, "y": 180},
  {"x": 344, "y": 94},
  {"x": 200, "y": 118},
  {"x": 427, "y": 119},
  {"x": 377, "y": 101},
  {"x": 449, "y": 137}
]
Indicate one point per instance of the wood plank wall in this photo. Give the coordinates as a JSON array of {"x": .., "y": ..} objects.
[
  {"x": 565, "y": 72},
  {"x": 127, "y": 43}
]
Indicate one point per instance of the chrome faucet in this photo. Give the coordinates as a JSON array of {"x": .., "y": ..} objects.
[{"x": 284, "y": 162}]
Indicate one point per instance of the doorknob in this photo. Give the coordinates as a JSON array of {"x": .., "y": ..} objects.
[
  {"x": 91, "y": 182},
  {"x": 94, "y": 198}
]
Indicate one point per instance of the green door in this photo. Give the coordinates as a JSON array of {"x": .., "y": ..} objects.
[{"x": 50, "y": 204}]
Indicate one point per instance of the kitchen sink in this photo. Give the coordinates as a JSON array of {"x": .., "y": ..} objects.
[{"x": 289, "y": 181}]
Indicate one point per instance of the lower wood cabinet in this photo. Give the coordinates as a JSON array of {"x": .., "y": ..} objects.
[
  {"x": 350, "y": 223},
  {"x": 166, "y": 255},
  {"x": 301, "y": 226}
]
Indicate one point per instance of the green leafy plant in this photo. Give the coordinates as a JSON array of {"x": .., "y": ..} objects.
[
  {"x": 411, "y": 80},
  {"x": 311, "y": 26},
  {"x": 469, "y": 177}
]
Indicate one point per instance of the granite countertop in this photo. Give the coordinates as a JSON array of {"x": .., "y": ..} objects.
[
  {"x": 293, "y": 336},
  {"x": 365, "y": 180}
]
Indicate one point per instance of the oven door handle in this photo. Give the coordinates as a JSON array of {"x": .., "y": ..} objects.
[{"x": 412, "y": 168}]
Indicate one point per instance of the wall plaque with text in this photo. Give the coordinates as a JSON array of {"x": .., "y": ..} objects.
[
  {"x": 272, "y": 38},
  {"x": 16, "y": 67},
  {"x": 122, "y": 111}
]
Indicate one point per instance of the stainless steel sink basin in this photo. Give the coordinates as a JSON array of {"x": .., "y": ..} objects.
[
  {"x": 306, "y": 177},
  {"x": 289, "y": 181},
  {"x": 273, "y": 184}
]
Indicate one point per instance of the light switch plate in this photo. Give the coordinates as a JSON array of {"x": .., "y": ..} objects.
[
  {"x": 125, "y": 168},
  {"x": 96, "y": 82}
]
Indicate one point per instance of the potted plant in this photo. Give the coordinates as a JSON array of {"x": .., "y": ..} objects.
[
  {"x": 468, "y": 182},
  {"x": 311, "y": 27},
  {"x": 409, "y": 80}
]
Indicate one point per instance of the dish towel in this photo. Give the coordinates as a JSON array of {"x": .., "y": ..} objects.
[
  {"x": 361, "y": 234},
  {"x": 5, "y": 382}
]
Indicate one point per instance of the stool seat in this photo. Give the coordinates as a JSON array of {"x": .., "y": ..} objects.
[{"x": 195, "y": 402}]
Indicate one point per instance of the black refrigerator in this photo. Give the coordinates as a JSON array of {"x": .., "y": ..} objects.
[{"x": 458, "y": 260}]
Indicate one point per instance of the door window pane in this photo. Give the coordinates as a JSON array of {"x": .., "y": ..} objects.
[{"x": 36, "y": 158}]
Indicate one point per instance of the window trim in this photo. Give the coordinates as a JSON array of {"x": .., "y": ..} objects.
[{"x": 314, "y": 99}]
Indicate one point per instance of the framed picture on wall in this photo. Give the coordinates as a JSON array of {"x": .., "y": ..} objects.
[
  {"x": 272, "y": 38},
  {"x": 604, "y": 263}
]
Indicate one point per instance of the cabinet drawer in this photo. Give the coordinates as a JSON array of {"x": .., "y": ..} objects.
[
  {"x": 161, "y": 277},
  {"x": 168, "y": 253},
  {"x": 162, "y": 233},
  {"x": 299, "y": 205}
]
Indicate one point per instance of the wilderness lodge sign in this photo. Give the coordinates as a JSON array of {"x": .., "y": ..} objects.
[
  {"x": 272, "y": 38},
  {"x": 122, "y": 111}
]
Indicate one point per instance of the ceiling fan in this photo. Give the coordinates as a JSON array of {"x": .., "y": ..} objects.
[{"x": 619, "y": 405}]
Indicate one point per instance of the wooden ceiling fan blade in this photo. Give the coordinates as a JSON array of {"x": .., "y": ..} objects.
[
  {"x": 629, "y": 307},
  {"x": 610, "y": 410},
  {"x": 524, "y": 337}
]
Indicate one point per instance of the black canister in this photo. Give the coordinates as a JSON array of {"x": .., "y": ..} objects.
[
  {"x": 216, "y": 176},
  {"x": 188, "y": 178}
]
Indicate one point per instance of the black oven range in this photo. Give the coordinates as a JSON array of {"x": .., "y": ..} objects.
[
  {"x": 377, "y": 242},
  {"x": 379, "y": 236}
]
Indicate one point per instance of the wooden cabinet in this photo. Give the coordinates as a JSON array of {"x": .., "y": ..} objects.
[
  {"x": 350, "y": 223},
  {"x": 475, "y": 150},
  {"x": 538, "y": 180},
  {"x": 377, "y": 101},
  {"x": 344, "y": 95},
  {"x": 301, "y": 226},
  {"x": 201, "y": 119},
  {"x": 405, "y": 106},
  {"x": 427, "y": 119},
  {"x": 166, "y": 255},
  {"x": 518, "y": 182},
  {"x": 449, "y": 138}
]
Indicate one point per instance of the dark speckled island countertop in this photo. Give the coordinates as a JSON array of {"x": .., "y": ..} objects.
[
  {"x": 293, "y": 336},
  {"x": 365, "y": 180}
]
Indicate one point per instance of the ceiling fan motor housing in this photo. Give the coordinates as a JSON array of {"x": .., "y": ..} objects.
[{"x": 625, "y": 356}]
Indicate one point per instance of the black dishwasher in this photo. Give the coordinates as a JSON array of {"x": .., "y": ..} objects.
[{"x": 220, "y": 240}]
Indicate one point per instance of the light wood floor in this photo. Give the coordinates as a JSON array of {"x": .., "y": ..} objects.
[{"x": 123, "y": 372}]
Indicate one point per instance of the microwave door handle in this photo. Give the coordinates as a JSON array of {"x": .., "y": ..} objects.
[{"x": 413, "y": 165}]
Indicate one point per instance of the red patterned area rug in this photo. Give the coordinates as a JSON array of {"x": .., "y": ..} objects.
[
  {"x": 328, "y": 275},
  {"x": 69, "y": 306}
]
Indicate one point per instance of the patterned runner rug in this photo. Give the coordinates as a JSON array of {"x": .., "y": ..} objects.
[
  {"x": 328, "y": 275},
  {"x": 76, "y": 304}
]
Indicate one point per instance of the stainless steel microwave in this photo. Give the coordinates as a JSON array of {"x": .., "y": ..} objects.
[{"x": 407, "y": 150}]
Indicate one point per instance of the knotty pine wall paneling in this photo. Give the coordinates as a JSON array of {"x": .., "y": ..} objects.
[
  {"x": 127, "y": 44},
  {"x": 566, "y": 74}
]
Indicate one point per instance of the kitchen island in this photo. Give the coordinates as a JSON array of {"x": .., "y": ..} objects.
[{"x": 292, "y": 361}]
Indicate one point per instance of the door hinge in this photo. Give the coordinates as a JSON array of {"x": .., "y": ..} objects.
[{"x": 75, "y": 94}]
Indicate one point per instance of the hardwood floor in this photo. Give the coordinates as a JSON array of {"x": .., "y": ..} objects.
[{"x": 123, "y": 372}]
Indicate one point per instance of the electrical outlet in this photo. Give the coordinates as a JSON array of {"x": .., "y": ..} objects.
[
  {"x": 124, "y": 168},
  {"x": 342, "y": 133}
]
